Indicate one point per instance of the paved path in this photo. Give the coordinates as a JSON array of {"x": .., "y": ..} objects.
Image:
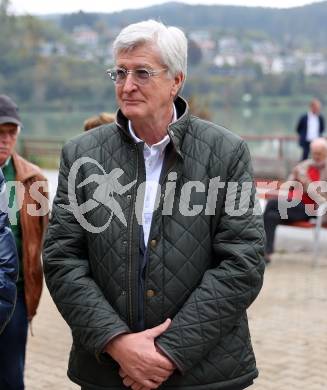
[
  {"x": 48, "y": 349},
  {"x": 288, "y": 324}
]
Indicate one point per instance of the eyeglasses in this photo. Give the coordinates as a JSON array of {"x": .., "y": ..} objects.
[{"x": 140, "y": 76}]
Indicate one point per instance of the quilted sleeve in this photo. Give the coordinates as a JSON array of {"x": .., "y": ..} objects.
[
  {"x": 216, "y": 306},
  {"x": 8, "y": 263},
  {"x": 92, "y": 319}
]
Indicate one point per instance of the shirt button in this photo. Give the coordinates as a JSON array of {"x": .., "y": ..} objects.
[
  {"x": 150, "y": 293},
  {"x": 153, "y": 243}
]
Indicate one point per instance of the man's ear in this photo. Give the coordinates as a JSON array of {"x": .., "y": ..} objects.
[{"x": 178, "y": 81}]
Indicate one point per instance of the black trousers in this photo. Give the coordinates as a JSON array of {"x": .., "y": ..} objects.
[
  {"x": 272, "y": 219},
  {"x": 306, "y": 150},
  {"x": 12, "y": 348}
]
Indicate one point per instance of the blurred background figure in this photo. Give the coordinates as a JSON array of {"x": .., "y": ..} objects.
[
  {"x": 310, "y": 127},
  {"x": 98, "y": 120},
  {"x": 305, "y": 172},
  {"x": 28, "y": 231},
  {"x": 8, "y": 262}
]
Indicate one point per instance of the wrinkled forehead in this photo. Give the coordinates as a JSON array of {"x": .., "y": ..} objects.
[{"x": 146, "y": 51}]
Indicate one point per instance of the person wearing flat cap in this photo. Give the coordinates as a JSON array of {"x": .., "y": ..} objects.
[
  {"x": 27, "y": 190},
  {"x": 8, "y": 261}
]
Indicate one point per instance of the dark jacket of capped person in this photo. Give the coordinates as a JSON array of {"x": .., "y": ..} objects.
[{"x": 8, "y": 262}]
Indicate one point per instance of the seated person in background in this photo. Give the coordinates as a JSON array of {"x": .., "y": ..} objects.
[
  {"x": 98, "y": 120},
  {"x": 305, "y": 172},
  {"x": 8, "y": 262}
]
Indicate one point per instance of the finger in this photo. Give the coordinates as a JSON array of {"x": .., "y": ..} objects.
[
  {"x": 128, "y": 381},
  {"x": 164, "y": 363},
  {"x": 148, "y": 383},
  {"x": 159, "y": 371},
  {"x": 122, "y": 373},
  {"x": 137, "y": 386},
  {"x": 158, "y": 379},
  {"x": 173, "y": 365},
  {"x": 159, "y": 329},
  {"x": 159, "y": 374}
]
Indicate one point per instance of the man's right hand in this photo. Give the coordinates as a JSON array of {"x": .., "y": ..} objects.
[{"x": 138, "y": 358}]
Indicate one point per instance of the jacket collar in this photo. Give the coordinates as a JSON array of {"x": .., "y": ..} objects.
[
  {"x": 176, "y": 130},
  {"x": 24, "y": 169}
]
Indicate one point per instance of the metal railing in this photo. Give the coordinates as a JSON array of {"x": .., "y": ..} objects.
[
  {"x": 41, "y": 151},
  {"x": 273, "y": 156}
]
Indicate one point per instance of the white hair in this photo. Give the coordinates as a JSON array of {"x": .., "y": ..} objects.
[
  {"x": 319, "y": 143},
  {"x": 170, "y": 41}
]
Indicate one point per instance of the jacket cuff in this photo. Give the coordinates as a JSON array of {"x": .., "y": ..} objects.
[
  {"x": 104, "y": 357},
  {"x": 170, "y": 357}
]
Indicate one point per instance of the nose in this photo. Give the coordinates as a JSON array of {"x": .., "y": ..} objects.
[{"x": 129, "y": 84}]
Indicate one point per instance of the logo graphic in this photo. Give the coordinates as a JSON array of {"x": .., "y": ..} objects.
[{"x": 108, "y": 185}]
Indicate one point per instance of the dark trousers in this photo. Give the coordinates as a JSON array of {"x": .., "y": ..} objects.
[
  {"x": 12, "y": 348},
  {"x": 306, "y": 150},
  {"x": 272, "y": 219}
]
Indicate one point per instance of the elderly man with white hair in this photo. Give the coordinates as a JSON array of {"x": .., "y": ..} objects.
[
  {"x": 145, "y": 257},
  {"x": 304, "y": 173}
]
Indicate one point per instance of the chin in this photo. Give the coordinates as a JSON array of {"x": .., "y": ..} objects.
[{"x": 131, "y": 113}]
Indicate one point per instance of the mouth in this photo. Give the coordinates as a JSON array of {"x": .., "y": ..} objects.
[{"x": 130, "y": 101}]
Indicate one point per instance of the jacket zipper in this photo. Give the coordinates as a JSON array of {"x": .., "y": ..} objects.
[
  {"x": 130, "y": 297},
  {"x": 161, "y": 182}
]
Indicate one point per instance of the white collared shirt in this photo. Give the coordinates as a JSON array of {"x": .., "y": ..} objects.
[
  {"x": 153, "y": 160},
  {"x": 312, "y": 127},
  {"x": 5, "y": 163}
]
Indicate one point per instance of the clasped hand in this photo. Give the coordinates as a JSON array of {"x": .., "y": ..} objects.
[{"x": 142, "y": 365}]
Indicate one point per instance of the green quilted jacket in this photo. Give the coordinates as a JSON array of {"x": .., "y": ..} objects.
[{"x": 203, "y": 270}]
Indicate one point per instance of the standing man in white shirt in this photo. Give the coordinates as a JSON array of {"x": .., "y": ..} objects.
[
  {"x": 310, "y": 127},
  {"x": 154, "y": 272}
]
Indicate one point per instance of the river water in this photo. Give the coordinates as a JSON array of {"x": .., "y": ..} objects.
[{"x": 241, "y": 120}]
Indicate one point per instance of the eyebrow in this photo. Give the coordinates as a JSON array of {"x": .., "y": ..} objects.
[{"x": 136, "y": 66}]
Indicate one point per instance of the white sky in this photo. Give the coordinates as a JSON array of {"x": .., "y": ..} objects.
[{"x": 61, "y": 6}]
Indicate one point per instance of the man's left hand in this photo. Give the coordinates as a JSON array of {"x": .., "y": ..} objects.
[{"x": 129, "y": 382}]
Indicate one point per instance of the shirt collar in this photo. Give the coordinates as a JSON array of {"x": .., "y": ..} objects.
[
  {"x": 6, "y": 163},
  {"x": 312, "y": 115},
  {"x": 163, "y": 142}
]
